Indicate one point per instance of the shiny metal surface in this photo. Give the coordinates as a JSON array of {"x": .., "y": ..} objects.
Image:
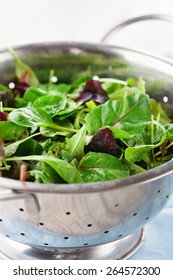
[
  {"x": 119, "y": 250},
  {"x": 65, "y": 217},
  {"x": 122, "y": 25}
]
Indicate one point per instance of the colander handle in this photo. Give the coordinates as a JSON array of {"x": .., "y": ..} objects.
[{"x": 122, "y": 25}]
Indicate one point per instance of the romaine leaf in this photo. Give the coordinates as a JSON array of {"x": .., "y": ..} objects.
[
  {"x": 69, "y": 173},
  {"x": 75, "y": 144}
]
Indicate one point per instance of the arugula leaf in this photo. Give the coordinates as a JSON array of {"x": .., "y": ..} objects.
[{"x": 138, "y": 152}]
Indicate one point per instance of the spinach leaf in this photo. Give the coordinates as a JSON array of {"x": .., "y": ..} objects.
[
  {"x": 32, "y": 93},
  {"x": 29, "y": 147},
  {"x": 51, "y": 104},
  {"x": 29, "y": 117},
  {"x": 10, "y": 131}
]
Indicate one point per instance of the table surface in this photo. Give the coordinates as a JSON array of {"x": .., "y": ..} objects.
[
  {"x": 158, "y": 244},
  {"x": 79, "y": 20}
]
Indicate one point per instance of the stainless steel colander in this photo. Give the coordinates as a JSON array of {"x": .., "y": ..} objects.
[{"x": 66, "y": 219}]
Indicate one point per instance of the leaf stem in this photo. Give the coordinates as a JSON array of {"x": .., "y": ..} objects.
[
  {"x": 166, "y": 148},
  {"x": 152, "y": 129},
  {"x": 8, "y": 109},
  {"x": 58, "y": 127}
]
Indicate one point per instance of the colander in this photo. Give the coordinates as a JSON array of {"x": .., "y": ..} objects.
[{"x": 101, "y": 220}]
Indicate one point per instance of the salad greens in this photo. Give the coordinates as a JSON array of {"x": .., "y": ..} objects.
[{"x": 88, "y": 131}]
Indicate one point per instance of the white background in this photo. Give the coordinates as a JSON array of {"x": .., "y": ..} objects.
[{"x": 24, "y": 21}]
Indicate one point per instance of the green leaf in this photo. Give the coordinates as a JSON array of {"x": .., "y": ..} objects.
[
  {"x": 75, "y": 144},
  {"x": 50, "y": 172},
  {"x": 101, "y": 116},
  {"x": 10, "y": 131},
  {"x": 68, "y": 172},
  {"x": 22, "y": 68},
  {"x": 169, "y": 129},
  {"x": 53, "y": 131},
  {"x": 158, "y": 112},
  {"x": 40, "y": 177},
  {"x": 32, "y": 93},
  {"x": 51, "y": 104},
  {"x": 71, "y": 108},
  {"x": 137, "y": 153},
  {"x": 95, "y": 167},
  {"x": 11, "y": 148},
  {"x": 63, "y": 88},
  {"x": 135, "y": 113},
  {"x": 29, "y": 117},
  {"x": 29, "y": 147},
  {"x": 119, "y": 133},
  {"x": 131, "y": 115}
]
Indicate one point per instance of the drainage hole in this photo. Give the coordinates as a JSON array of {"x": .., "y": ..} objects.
[
  {"x": 167, "y": 196},
  {"x": 22, "y": 233},
  {"x": 89, "y": 225},
  {"x": 7, "y": 235},
  {"x": 146, "y": 218},
  {"x": 120, "y": 235},
  {"x": 41, "y": 224},
  {"x": 66, "y": 237},
  {"x": 106, "y": 231},
  {"x": 21, "y": 209},
  {"x": 159, "y": 191},
  {"x": 117, "y": 205},
  {"x": 134, "y": 214},
  {"x": 85, "y": 244},
  {"x": 0, "y": 220},
  {"x": 68, "y": 213},
  {"x": 46, "y": 244}
]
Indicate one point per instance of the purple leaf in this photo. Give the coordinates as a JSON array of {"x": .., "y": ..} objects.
[
  {"x": 22, "y": 87},
  {"x": 103, "y": 141},
  {"x": 93, "y": 91},
  {"x": 3, "y": 116}
]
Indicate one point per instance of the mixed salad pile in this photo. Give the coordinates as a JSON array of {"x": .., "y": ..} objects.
[{"x": 91, "y": 130}]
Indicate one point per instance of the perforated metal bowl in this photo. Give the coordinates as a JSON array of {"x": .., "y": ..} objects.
[{"x": 68, "y": 218}]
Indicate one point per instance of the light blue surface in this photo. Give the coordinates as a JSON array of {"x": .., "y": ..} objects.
[{"x": 158, "y": 244}]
